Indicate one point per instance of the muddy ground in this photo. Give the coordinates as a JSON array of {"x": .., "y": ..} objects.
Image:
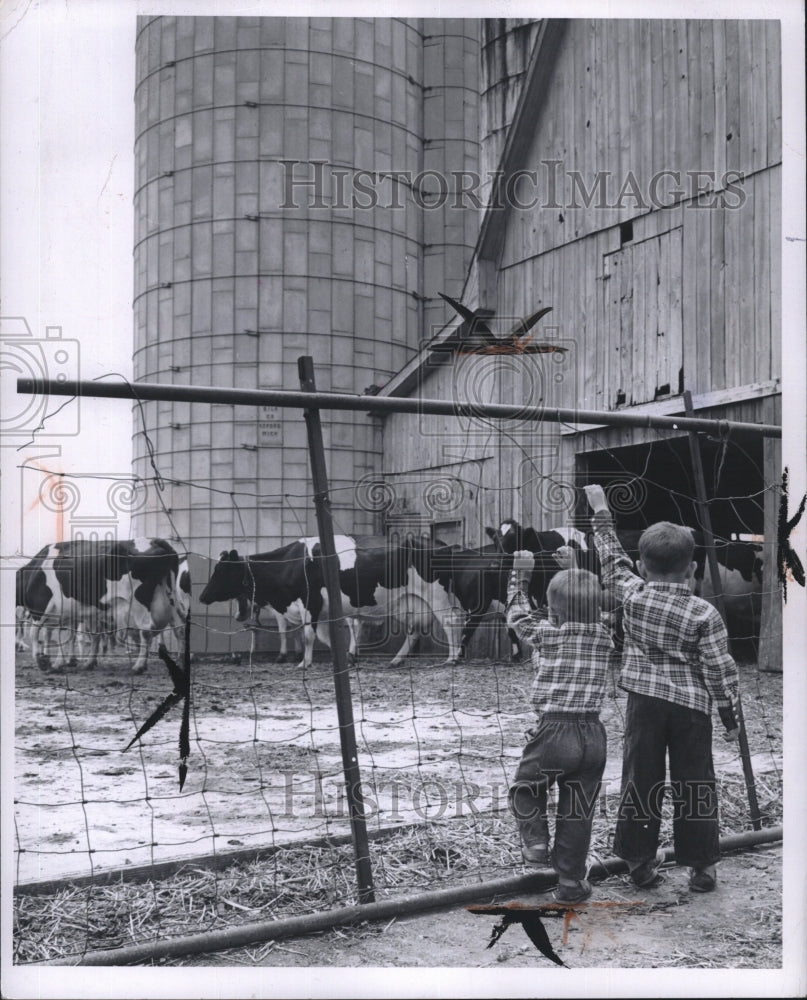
[{"x": 436, "y": 745}]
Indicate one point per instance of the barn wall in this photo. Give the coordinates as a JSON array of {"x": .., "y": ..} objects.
[
  {"x": 692, "y": 300},
  {"x": 471, "y": 468},
  {"x": 669, "y": 287},
  {"x": 629, "y": 100}
]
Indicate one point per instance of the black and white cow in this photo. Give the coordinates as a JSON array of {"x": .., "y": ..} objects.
[
  {"x": 478, "y": 577},
  {"x": 512, "y": 537},
  {"x": 132, "y": 588},
  {"x": 377, "y": 575},
  {"x": 739, "y": 564},
  {"x": 283, "y": 580}
]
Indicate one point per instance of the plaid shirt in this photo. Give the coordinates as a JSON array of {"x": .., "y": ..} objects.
[
  {"x": 676, "y": 645},
  {"x": 572, "y": 660}
]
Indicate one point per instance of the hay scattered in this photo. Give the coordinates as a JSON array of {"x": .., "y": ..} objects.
[{"x": 302, "y": 879}]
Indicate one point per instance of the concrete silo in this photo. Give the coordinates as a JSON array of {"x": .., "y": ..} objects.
[{"x": 294, "y": 195}]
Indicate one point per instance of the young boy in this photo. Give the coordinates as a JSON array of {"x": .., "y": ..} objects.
[
  {"x": 674, "y": 663},
  {"x": 572, "y": 655}
]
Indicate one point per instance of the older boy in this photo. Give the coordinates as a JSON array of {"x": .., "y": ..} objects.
[
  {"x": 572, "y": 655},
  {"x": 675, "y": 662}
]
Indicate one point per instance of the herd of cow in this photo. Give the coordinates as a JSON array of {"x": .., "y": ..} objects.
[
  {"x": 136, "y": 590},
  {"x": 101, "y": 591}
]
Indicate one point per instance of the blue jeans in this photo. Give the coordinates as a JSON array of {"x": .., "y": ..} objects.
[
  {"x": 568, "y": 749},
  {"x": 654, "y": 727}
]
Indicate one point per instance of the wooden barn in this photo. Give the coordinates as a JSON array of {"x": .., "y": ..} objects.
[{"x": 632, "y": 174}]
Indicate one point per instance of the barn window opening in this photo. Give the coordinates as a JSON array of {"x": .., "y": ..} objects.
[{"x": 625, "y": 232}]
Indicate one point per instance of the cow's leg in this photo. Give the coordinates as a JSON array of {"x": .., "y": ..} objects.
[
  {"x": 39, "y": 644},
  {"x": 65, "y": 644},
  {"x": 471, "y": 624},
  {"x": 19, "y": 632},
  {"x": 309, "y": 626},
  {"x": 95, "y": 646},
  {"x": 353, "y": 644},
  {"x": 309, "y": 634},
  {"x": 171, "y": 638},
  {"x": 82, "y": 645},
  {"x": 63, "y": 640},
  {"x": 139, "y": 665},
  {"x": 107, "y": 640},
  {"x": 71, "y": 648},
  {"x": 320, "y": 631},
  {"x": 452, "y": 621},
  {"x": 282, "y": 631},
  {"x": 410, "y": 643},
  {"x": 94, "y": 642},
  {"x": 94, "y": 631},
  {"x": 26, "y": 627}
]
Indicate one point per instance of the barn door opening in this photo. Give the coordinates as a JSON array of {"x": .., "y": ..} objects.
[
  {"x": 644, "y": 321},
  {"x": 654, "y": 482}
]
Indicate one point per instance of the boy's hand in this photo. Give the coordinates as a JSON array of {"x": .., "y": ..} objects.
[
  {"x": 565, "y": 557},
  {"x": 595, "y": 495},
  {"x": 523, "y": 561},
  {"x": 731, "y": 735}
]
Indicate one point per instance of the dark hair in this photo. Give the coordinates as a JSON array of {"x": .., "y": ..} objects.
[
  {"x": 666, "y": 548},
  {"x": 576, "y": 594}
]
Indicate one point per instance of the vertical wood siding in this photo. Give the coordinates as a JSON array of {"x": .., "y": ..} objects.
[{"x": 696, "y": 290}]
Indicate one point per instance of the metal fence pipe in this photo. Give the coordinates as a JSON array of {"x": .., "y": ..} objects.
[
  {"x": 249, "y": 934},
  {"x": 380, "y": 405},
  {"x": 341, "y": 676},
  {"x": 705, "y": 518}
]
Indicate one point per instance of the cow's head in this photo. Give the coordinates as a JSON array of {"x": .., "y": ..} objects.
[
  {"x": 228, "y": 581},
  {"x": 508, "y": 537}
]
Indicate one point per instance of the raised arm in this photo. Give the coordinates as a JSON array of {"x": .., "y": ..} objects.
[
  {"x": 616, "y": 567},
  {"x": 526, "y": 622}
]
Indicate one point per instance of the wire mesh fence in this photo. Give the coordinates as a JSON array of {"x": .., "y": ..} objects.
[
  {"x": 261, "y": 828},
  {"x": 111, "y": 850}
]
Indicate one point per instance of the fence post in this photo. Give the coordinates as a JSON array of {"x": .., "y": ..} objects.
[
  {"x": 770, "y": 632},
  {"x": 344, "y": 703},
  {"x": 705, "y": 519}
]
